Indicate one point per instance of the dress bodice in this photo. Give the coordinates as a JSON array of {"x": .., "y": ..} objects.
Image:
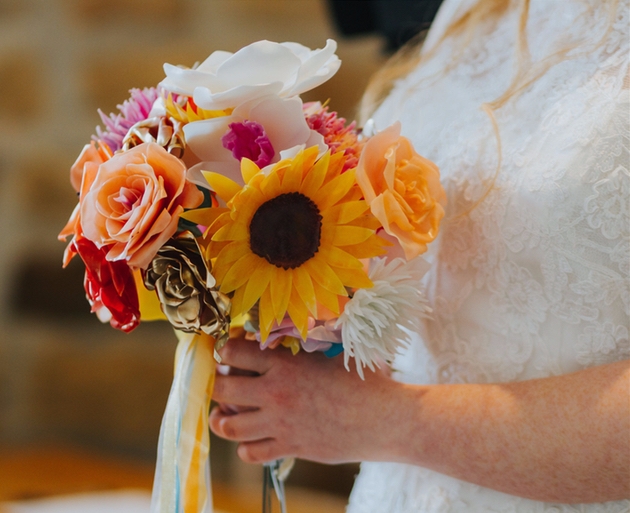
[{"x": 530, "y": 273}]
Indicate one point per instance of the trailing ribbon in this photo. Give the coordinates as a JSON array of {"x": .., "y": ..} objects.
[
  {"x": 182, "y": 474},
  {"x": 274, "y": 475}
]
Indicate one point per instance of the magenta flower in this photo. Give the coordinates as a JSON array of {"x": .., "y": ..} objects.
[
  {"x": 249, "y": 140},
  {"x": 136, "y": 108}
]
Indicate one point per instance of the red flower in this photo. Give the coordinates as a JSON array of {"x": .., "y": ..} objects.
[{"x": 109, "y": 286}]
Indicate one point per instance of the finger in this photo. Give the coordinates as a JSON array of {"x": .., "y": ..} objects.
[
  {"x": 226, "y": 370},
  {"x": 238, "y": 390},
  {"x": 244, "y": 354},
  {"x": 261, "y": 451},
  {"x": 243, "y": 427},
  {"x": 233, "y": 409}
]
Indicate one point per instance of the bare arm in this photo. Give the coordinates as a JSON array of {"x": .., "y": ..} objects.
[{"x": 558, "y": 439}]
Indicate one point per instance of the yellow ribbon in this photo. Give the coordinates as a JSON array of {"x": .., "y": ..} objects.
[{"x": 182, "y": 475}]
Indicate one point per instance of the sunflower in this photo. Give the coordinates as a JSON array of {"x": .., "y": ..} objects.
[{"x": 292, "y": 238}]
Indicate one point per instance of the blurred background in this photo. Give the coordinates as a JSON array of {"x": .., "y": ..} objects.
[{"x": 81, "y": 404}]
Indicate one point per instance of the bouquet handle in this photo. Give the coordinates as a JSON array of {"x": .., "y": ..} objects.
[
  {"x": 182, "y": 474},
  {"x": 275, "y": 473}
]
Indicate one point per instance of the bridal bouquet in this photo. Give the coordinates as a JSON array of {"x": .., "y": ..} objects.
[{"x": 218, "y": 199}]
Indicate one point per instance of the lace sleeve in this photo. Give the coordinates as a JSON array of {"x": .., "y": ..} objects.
[{"x": 535, "y": 279}]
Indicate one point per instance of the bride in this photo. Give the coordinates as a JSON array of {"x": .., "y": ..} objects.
[{"x": 515, "y": 396}]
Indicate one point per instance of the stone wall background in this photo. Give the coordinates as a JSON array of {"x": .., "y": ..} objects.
[{"x": 63, "y": 376}]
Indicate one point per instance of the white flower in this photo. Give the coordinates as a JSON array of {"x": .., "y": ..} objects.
[
  {"x": 225, "y": 80},
  {"x": 377, "y": 322},
  {"x": 282, "y": 120}
]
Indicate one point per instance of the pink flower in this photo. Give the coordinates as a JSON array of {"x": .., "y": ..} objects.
[
  {"x": 320, "y": 337},
  {"x": 249, "y": 140},
  {"x": 337, "y": 136},
  {"x": 136, "y": 108},
  {"x": 133, "y": 204}
]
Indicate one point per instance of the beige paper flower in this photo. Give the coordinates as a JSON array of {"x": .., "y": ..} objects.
[
  {"x": 165, "y": 131},
  {"x": 186, "y": 288}
]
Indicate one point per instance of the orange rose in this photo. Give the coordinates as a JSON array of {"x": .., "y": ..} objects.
[
  {"x": 82, "y": 174},
  {"x": 90, "y": 156},
  {"x": 403, "y": 190},
  {"x": 133, "y": 204}
]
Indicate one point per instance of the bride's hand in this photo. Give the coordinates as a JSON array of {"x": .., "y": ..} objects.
[{"x": 307, "y": 406}]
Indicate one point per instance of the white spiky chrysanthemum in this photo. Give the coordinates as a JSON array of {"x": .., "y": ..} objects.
[{"x": 376, "y": 323}]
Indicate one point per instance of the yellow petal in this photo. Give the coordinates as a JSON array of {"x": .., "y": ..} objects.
[
  {"x": 279, "y": 168},
  {"x": 303, "y": 283},
  {"x": 327, "y": 298},
  {"x": 353, "y": 278},
  {"x": 205, "y": 114},
  {"x": 222, "y": 185},
  {"x": 315, "y": 177},
  {"x": 244, "y": 209},
  {"x": 337, "y": 257},
  {"x": 150, "y": 309},
  {"x": 213, "y": 249},
  {"x": 298, "y": 312},
  {"x": 239, "y": 273},
  {"x": 280, "y": 286},
  {"x": 248, "y": 169},
  {"x": 345, "y": 212},
  {"x": 203, "y": 216},
  {"x": 175, "y": 110},
  {"x": 236, "y": 307},
  {"x": 233, "y": 251},
  {"x": 232, "y": 231},
  {"x": 271, "y": 186},
  {"x": 321, "y": 273},
  {"x": 334, "y": 190},
  {"x": 335, "y": 166},
  {"x": 310, "y": 156},
  {"x": 258, "y": 282},
  {"x": 265, "y": 314},
  {"x": 374, "y": 246},
  {"x": 293, "y": 176},
  {"x": 366, "y": 221},
  {"x": 219, "y": 222},
  {"x": 347, "y": 235},
  {"x": 291, "y": 343}
]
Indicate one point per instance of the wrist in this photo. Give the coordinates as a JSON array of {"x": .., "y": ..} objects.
[{"x": 398, "y": 434}]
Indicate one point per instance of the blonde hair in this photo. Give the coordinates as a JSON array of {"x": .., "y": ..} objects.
[
  {"x": 527, "y": 72},
  {"x": 410, "y": 57}
]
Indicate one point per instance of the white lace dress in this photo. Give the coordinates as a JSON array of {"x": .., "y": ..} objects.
[{"x": 534, "y": 281}]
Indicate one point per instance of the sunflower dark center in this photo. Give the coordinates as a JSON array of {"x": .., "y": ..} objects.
[{"x": 286, "y": 230}]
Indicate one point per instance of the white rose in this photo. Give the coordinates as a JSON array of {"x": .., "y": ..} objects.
[{"x": 225, "y": 80}]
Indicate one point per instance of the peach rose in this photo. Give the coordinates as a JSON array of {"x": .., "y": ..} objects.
[
  {"x": 133, "y": 204},
  {"x": 82, "y": 174},
  {"x": 403, "y": 190},
  {"x": 90, "y": 156}
]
